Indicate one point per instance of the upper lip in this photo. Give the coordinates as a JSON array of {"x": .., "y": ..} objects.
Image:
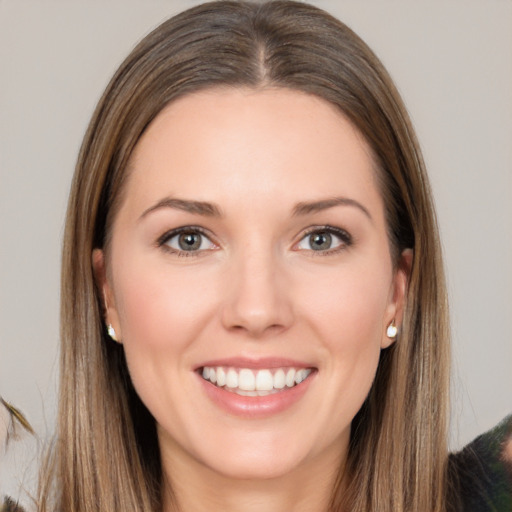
[{"x": 255, "y": 363}]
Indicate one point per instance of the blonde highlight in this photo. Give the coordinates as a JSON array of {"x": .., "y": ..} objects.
[{"x": 106, "y": 456}]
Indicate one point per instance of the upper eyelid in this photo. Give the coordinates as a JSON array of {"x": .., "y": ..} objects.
[
  {"x": 326, "y": 228},
  {"x": 345, "y": 237},
  {"x": 162, "y": 239}
]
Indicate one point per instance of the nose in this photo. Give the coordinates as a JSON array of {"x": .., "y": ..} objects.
[{"x": 258, "y": 299}]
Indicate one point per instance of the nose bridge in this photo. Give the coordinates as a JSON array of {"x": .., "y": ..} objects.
[{"x": 258, "y": 298}]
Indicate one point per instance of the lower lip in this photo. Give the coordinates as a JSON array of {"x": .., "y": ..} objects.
[{"x": 256, "y": 406}]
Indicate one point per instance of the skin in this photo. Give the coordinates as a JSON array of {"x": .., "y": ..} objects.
[{"x": 255, "y": 288}]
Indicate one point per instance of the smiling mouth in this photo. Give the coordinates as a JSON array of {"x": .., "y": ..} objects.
[{"x": 250, "y": 382}]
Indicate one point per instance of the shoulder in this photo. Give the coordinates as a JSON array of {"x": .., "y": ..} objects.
[{"x": 481, "y": 473}]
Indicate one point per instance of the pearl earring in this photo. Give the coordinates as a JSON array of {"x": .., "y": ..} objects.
[
  {"x": 392, "y": 330},
  {"x": 111, "y": 332}
]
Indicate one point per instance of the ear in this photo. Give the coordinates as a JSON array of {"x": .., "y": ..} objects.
[
  {"x": 105, "y": 288},
  {"x": 395, "y": 309}
]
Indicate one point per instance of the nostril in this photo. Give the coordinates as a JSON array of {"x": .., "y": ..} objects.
[{"x": 255, "y": 331}]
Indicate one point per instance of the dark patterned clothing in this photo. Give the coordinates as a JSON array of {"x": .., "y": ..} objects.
[{"x": 482, "y": 477}]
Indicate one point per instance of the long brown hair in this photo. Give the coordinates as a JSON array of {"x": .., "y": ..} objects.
[{"x": 106, "y": 455}]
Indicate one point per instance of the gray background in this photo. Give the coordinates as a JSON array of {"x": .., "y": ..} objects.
[{"x": 452, "y": 61}]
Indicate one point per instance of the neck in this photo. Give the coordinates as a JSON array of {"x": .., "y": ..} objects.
[{"x": 191, "y": 487}]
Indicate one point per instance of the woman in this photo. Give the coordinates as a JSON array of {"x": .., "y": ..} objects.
[{"x": 250, "y": 216}]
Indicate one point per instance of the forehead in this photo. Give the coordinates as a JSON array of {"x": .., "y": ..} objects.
[{"x": 241, "y": 143}]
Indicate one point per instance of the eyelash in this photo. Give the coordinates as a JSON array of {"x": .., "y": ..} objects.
[
  {"x": 163, "y": 241},
  {"x": 341, "y": 234},
  {"x": 345, "y": 238}
]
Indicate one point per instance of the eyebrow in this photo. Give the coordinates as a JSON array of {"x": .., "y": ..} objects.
[
  {"x": 195, "y": 207},
  {"x": 304, "y": 208},
  {"x": 211, "y": 210}
]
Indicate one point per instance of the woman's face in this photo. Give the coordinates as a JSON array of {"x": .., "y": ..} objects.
[{"x": 251, "y": 248}]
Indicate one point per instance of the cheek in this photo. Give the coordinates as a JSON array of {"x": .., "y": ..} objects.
[
  {"x": 349, "y": 305},
  {"x": 161, "y": 313},
  {"x": 159, "y": 308},
  {"x": 346, "y": 311}
]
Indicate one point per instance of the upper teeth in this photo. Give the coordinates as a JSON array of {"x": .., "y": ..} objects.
[{"x": 246, "y": 379}]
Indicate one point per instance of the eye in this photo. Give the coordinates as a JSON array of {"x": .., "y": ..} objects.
[
  {"x": 325, "y": 239},
  {"x": 186, "y": 240}
]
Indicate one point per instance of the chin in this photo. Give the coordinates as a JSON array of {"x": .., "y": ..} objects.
[{"x": 256, "y": 466}]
